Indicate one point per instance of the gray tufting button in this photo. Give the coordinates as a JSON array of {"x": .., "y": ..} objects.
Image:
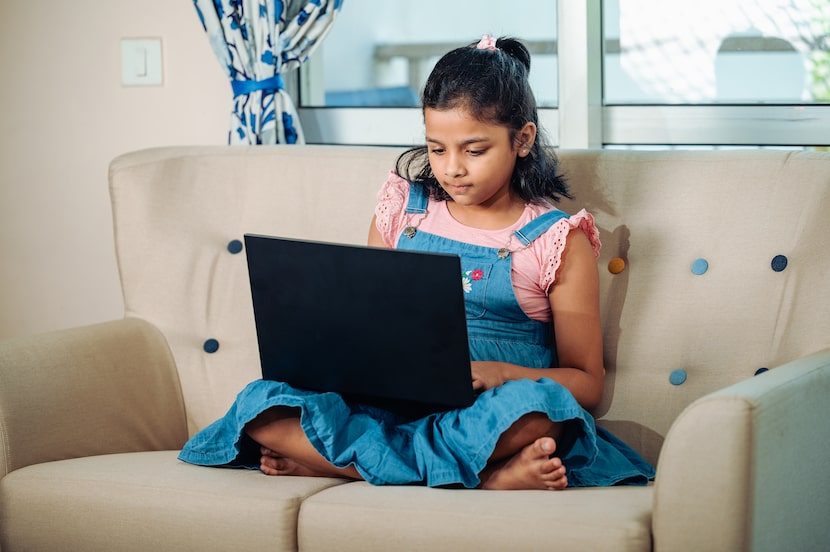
[
  {"x": 779, "y": 263},
  {"x": 211, "y": 346},
  {"x": 235, "y": 246}
]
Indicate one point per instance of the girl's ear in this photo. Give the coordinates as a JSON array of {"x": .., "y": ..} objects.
[{"x": 525, "y": 138}]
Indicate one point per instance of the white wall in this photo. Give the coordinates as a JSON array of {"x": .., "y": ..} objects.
[{"x": 64, "y": 116}]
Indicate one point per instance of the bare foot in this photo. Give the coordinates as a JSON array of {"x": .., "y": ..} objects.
[
  {"x": 271, "y": 464},
  {"x": 530, "y": 468}
]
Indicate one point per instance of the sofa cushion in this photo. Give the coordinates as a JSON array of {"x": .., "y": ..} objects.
[
  {"x": 146, "y": 501},
  {"x": 360, "y": 517}
]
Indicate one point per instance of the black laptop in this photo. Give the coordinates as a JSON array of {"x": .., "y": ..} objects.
[{"x": 379, "y": 326}]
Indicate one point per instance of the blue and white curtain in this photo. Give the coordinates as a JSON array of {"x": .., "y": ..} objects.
[{"x": 256, "y": 41}]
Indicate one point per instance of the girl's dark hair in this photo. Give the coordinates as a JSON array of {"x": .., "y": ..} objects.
[{"x": 492, "y": 85}]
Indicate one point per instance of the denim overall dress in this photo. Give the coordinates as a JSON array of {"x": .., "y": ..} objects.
[{"x": 447, "y": 448}]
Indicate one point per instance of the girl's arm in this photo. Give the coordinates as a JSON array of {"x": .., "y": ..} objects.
[
  {"x": 574, "y": 301},
  {"x": 375, "y": 239}
]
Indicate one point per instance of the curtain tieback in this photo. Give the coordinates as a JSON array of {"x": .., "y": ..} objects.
[{"x": 241, "y": 87}]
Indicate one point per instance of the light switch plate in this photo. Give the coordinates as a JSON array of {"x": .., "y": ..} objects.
[{"x": 141, "y": 62}]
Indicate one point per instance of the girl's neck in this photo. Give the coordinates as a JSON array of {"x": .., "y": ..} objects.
[{"x": 499, "y": 214}]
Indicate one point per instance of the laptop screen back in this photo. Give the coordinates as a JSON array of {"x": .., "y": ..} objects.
[{"x": 379, "y": 326}]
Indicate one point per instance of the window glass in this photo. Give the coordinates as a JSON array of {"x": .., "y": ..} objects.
[
  {"x": 716, "y": 52},
  {"x": 379, "y": 53}
]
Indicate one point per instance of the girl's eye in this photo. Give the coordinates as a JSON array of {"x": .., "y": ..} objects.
[
  {"x": 436, "y": 150},
  {"x": 475, "y": 152}
]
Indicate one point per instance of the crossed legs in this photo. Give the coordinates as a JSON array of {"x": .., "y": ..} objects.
[
  {"x": 285, "y": 448},
  {"x": 523, "y": 457}
]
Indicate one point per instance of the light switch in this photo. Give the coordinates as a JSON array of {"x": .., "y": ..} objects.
[{"x": 141, "y": 62}]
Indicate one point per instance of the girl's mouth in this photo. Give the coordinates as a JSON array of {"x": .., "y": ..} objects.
[{"x": 457, "y": 187}]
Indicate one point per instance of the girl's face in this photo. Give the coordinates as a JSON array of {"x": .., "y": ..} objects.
[{"x": 472, "y": 160}]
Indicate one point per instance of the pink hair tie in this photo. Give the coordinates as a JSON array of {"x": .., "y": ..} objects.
[{"x": 487, "y": 42}]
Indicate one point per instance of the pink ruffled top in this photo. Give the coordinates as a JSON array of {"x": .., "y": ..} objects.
[{"x": 534, "y": 268}]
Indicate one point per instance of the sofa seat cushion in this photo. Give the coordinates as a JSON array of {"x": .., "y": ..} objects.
[
  {"x": 147, "y": 501},
  {"x": 360, "y": 517}
]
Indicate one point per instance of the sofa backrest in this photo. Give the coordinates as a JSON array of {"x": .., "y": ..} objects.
[{"x": 724, "y": 255}]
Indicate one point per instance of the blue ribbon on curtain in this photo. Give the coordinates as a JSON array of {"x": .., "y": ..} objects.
[{"x": 241, "y": 87}]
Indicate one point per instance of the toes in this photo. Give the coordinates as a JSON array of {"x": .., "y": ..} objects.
[
  {"x": 553, "y": 474},
  {"x": 552, "y": 469},
  {"x": 268, "y": 470},
  {"x": 553, "y": 464},
  {"x": 558, "y": 484},
  {"x": 271, "y": 465},
  {"x": 545, "y": 446}
]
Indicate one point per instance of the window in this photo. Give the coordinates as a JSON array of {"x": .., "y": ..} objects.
[
  {"x": 381, "y": 54},
  {"x": 633, "y": 72},
  {"x": 717, "y": 52},
  {"x": 717, "y": 72}
]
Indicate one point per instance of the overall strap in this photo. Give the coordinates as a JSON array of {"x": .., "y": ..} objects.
[
  {"x": 418, "y": 198},
  {"x": 538, "y": 226}
]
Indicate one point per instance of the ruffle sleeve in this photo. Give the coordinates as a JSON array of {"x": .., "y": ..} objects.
[
  {"x": 556, "y": 238},
  {"x": 390, "y": 215}
]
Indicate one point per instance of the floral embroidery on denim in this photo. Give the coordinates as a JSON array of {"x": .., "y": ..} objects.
[{"x": 469, "y": 277}]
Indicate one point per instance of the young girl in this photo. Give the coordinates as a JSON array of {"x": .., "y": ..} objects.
[{"x": 480, "y": 188}]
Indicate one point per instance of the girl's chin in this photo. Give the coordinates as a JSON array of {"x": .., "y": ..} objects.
[{"x": 461, "y": 199}]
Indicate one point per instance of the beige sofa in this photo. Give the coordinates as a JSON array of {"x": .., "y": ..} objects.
[{"x": 90, "y": 418}]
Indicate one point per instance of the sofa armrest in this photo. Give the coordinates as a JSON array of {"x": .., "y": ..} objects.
[
  {"x": 100, "y": 389},
  {"x": 745, "y": 468}
]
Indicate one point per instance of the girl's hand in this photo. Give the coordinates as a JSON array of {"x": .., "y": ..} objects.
[{"x": 488, "y": 374}]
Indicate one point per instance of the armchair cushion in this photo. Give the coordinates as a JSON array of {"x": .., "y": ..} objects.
[
  {"x": 149, "y": 501},
  {"x": 363, "y": 518}
]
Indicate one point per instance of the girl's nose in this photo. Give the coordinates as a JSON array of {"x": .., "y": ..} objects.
[{"x": 453, "y": 168}]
